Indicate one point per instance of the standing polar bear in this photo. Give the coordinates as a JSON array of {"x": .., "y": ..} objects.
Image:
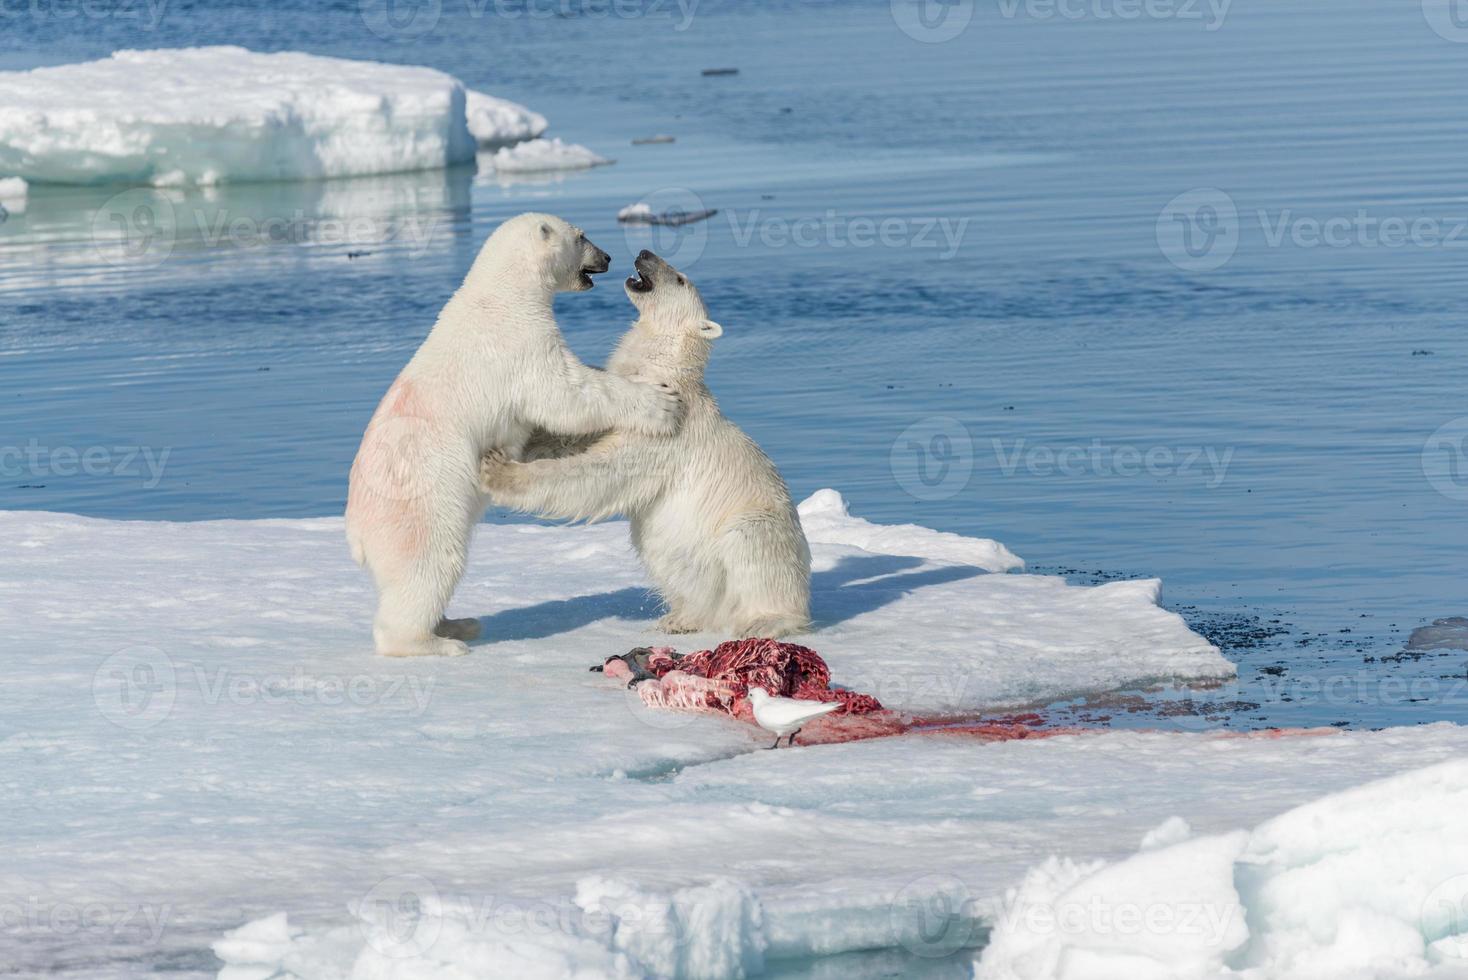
[
  {"x": 711, "y": 517},
  {"x": 493, "y": 369}
]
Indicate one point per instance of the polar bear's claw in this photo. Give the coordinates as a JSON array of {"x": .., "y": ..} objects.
[{"x": 674, "y": 624}]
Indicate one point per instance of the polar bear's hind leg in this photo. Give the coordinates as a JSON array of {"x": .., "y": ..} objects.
[
  {"x": 410, "y": 606},
  {"x": 768, "y": 579}
]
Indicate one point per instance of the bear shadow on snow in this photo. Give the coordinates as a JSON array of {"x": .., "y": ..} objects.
[{"x": 856, "y": 584}]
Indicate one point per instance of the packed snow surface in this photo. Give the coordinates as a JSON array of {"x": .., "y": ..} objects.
[
  {"x": 1369, "y": 882},
  {"x": 214, "y": 114},
  {"x": 534, "y": 156},
  {"x": 204, "y": 765},
  {"x": 500, "y": 122}
]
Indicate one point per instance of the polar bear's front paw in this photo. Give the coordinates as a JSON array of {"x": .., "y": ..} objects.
[
  {"x": 496, "y": 471},
  {"x": 662, "y": 408},
  {"x": 673, "y": 623}
]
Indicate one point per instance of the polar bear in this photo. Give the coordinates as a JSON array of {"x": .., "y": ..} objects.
[
  {"x": 711, "y": 517},
  {"x": 493, "y": 370}
]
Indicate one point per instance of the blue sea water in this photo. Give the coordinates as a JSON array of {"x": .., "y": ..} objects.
[{"x": 1178, "y": 295}]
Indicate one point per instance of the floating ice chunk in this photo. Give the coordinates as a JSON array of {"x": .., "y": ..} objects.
[
  {"x": 1170, "y": 912},
  {"x": 641, "y": 212},
  {"x": 1370, "y": 882},
  {"x": 209, "y": 115},
  {"x": 541, "y": 155},
  {"x": 499, "y": 122},
  {"x": 825, "y": 519},
  {"x": 714, "y": 930},
  {"x": 254, "y": 950},
  {"x": 613, "y": 929},
  {"x": 1383, "y": 860},
  {"x": 1173, "y": 830},
  {"x": 12, "y": 196}
]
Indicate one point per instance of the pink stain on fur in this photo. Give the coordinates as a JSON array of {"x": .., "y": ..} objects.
[
  {"x": 385, "y": 486},
  {"x": 718, "y": 680}
]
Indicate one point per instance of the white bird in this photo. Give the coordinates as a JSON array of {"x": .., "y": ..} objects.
[{"x": 785, "y": 716}]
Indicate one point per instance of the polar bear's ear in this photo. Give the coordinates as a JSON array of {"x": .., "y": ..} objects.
[
  {"x": 545, "y": 231},
  {"x": 708, "y": 330}
]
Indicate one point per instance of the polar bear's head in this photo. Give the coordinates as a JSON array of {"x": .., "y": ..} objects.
[
  {"x": 546, "y": 251},
  {"x": 667, "y": 301}
]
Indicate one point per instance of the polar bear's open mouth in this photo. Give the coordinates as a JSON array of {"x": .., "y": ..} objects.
[
  {"x": 600, "y": 262},
  {"x": 638, "y": 284},
  {"x": 587, "y": 273}
]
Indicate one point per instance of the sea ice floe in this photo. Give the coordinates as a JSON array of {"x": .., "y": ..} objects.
[{"x": 214, "y": 114}]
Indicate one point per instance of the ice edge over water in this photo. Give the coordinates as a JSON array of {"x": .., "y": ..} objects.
[{"x": 209, "y": 115}]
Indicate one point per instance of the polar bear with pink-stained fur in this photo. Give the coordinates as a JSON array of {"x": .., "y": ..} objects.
[{"x": 494, "y": 369}]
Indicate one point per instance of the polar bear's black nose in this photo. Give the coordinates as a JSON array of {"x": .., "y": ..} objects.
[{"x": 645, "y": 255}]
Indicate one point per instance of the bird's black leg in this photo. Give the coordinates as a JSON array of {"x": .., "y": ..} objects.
[
  {"x": 791, "y": 739},
  {"x": 776, "y": 745}
]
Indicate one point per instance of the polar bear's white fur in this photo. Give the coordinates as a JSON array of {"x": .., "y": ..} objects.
[
  {"x": 493, "y": 370},
  {"x": 711, "y": 517}
]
